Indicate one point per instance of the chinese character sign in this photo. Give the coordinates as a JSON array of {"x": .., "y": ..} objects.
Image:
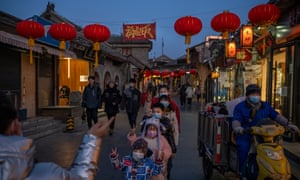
[{"x": 139, "y": 31}]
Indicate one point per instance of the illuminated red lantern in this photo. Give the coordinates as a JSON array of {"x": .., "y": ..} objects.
[
  {"x": 155, "y": 72},
  {"x": 165, "y": 73},
  {"x": 62, "y": 32},
  {"x": 225, "y": 22},
  {"x": 96, "y": 33},
  {"x": 147, "y": 73},
  {"x": 31, "y": 30},
  {"x": 264, "y": 14},
  {"x": 181, "y": 72},
  {"x": 193, "y": 71}
]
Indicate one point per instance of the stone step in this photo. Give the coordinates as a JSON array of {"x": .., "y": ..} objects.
[{"x": 41, "y": 126}]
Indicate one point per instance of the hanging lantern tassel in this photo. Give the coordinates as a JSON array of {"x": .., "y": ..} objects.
[
  {"x": 62, "y": 46},
  {"x": 188, "y": 56},
  {"x": 188, "y": 39},
  {"x": 96, "y": 49},
  {"x": 30, "y": 44}
]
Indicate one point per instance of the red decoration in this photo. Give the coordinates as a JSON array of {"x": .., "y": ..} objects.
[
  {"x": 165, "y": 73},
  {"x": 193, "y": 71},
  {"x": 96, "y": 33},
  {"x": 155, "y": 72},
  {"x": 225, "y": 22},
  {"x": 188, "y": 26},
  {"x": 147, "y": 73},
  {"x": 31, "y": 30},
  {"x": 181, "y": 72},
  {"x": 264, "y": 14},
  {"x": 62, "y": 32}
]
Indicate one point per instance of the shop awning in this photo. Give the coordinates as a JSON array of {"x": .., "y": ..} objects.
[{"x": 21, "y": 42}]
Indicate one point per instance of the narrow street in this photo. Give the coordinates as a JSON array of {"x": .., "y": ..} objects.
[{"x": 61, "y": 148}]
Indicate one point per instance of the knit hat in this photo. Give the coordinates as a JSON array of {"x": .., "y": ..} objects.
[
  {"x": 140, "y": 144},
  {"x": 155, "y": 122},
  {"x": 252, "y": 88}
]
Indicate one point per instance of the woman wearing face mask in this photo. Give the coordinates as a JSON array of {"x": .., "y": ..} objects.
[
  {"x": 170, "y": 114},
  {"x": 248, "y": 113},
  {"x": 156, "y": 143},
  {"x": 137, "y": 165}
]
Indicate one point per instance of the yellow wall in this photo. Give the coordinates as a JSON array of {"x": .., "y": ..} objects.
[{"x": 77, "y": 68}]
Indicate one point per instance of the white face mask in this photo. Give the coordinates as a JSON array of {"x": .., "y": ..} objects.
[{"x": 137, "y": 156}]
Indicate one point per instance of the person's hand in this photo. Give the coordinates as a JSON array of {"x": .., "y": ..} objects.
[
  {"x": 238, "y": 130},
  {"x": 114, "y": 152},
  {"x": 293, "y": 128},
  {"x": 99, "y": 129}
]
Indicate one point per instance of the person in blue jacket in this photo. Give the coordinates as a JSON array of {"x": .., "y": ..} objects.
[{"x": 248, "y": 113}]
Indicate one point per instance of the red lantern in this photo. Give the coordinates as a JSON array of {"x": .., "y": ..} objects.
[
  {"x": 188, "y": 26},
  {"x": 155, "y": 72},
  {"x": 165, "y": 73},
  {"x": 62, "y": 32},
  {"x": 225, "y": 22},
  {"x": 264, "y": 14},
  {"x": 193, "y": 71},
  {"x": 31, "y": 30},
  {"x": 96, "y": 33},
  {"x": 147, "y": 73},
  {"x": 181, "y": 72}
]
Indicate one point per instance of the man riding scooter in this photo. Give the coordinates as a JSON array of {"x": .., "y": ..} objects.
[{"x": 247, "y": 114}]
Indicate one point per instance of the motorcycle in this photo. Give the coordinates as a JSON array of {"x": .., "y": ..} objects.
[{"x": 266, "y": 159}]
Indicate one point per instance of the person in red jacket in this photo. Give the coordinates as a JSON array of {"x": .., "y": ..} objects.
[{"x": 164, "y": 90}]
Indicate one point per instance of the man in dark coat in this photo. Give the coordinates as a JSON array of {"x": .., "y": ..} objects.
[
  {"x": 131, "y": 100},
  {"x": 111, "y": 98},
  {"x": 91, "y": 100}
]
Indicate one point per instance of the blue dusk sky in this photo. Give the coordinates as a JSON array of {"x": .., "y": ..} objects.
[{"x": 115, "y": 13}]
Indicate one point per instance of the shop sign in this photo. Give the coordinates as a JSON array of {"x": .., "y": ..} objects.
[
  {"x": 139, "y": 31},
  {"x": 243, "y": 55}
]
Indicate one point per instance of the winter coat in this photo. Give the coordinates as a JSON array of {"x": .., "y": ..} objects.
[
  {"x": 17, "y": 160},
  {"x": 111, "y": 98},
  {"x": 91, "y": 97},
  {"x": 131, "y": 100},
  {"x": 143, "y": 169}
]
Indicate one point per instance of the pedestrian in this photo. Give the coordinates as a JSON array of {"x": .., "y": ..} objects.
[
  {"x": 167, "y": 131},
  {"x": 146, "y": 99},
  {"x": 198, "y": 93},
  {"x": 165, "y": 91},
  {"x": 182, "y": 95},
  {"x": 157, "y": 143},
  {"x": 248, "y": 113},
  {"x": 131, "y": 101},
  {"x": 137, "y": 165},
  {"x": 170, "y": 114},
  {"x": 17, "y": 152},
  {"x": 91, "y": 100},
  {"x": 189, "y": 94},
  {"x": 111, "y": 98}
]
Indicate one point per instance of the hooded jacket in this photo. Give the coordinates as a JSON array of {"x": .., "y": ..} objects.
[{"x": 17, "y": 161}]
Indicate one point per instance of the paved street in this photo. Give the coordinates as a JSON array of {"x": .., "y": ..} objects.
[{"x": 61, "y": 148}]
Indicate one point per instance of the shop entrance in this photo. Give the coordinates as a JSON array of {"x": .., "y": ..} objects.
[{"x": 284, "y": 89}]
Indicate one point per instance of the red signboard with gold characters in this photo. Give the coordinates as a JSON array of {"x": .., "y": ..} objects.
[
  {"x": 139, "y": 31},
  {"x": 243, "y": 55}
]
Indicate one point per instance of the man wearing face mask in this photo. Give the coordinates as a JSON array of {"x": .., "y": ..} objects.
[
  {"x": 163, "y": 90},
  {"x": 248, "y": 113},
  {"x": 131, "y": 100}
]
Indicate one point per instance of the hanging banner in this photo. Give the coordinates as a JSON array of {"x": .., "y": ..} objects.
[{"x": 139, "y": 31}]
